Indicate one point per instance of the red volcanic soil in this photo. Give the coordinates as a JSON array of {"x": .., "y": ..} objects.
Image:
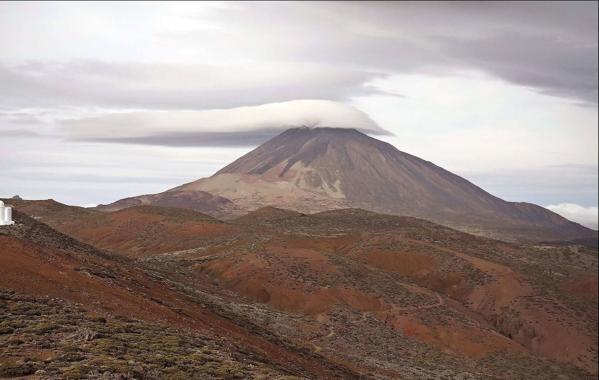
[
  {"x": 34, "y": 269},
  {"x": 505, "y": 303},
  {"x": 306, "y": 281},
  {"x": 136, "y": 231},
  {"x": 584, "y": 286},
  {"x": 147, "y": 230},
  {"x": 404, "y": 263},
  {"x": 53, "y": 265},
  {"x": 455, "y": 338},
  {"x": 254, "y": 276}
]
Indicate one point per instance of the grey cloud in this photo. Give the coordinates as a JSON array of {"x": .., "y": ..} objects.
[
  {"x": 548, "y": 46},
  {"x": 532, "y": 61},
  {"x": 17, "y": 133},
  {"x": 324, "y": 50},
  {"x": 209, "y": 139},
  {"x": 36, "y": 175},
  {"x": 173, "y": 86}
]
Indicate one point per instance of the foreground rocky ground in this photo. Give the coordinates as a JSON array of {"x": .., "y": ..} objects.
[{"x": 50, "y": 338}]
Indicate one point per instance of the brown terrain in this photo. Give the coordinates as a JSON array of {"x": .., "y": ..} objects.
[
  {"x": 198, "y": 201},
  {"x": 319, "y": 169},
  {"x": 337, "y": 294},
  {"x": 70, "y": 310}
]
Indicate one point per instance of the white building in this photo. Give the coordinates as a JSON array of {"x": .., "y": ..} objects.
[{"x": 5, "y": 215}]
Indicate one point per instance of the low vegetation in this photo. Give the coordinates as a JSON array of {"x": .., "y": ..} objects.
[{"x": 52, "y": 339}]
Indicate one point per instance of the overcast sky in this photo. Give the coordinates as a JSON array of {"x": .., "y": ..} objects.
[{"x": 99, "y": 101}]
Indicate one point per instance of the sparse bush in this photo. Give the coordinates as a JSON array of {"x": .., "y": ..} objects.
[{"x": 16, "y": 369}]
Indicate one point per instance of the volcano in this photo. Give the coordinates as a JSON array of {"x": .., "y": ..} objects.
[{"x": 315, "y": 169}]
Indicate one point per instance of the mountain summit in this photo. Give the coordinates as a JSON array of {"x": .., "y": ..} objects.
[{"x": 316, "y": 169}]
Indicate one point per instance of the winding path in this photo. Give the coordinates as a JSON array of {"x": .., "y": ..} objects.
[{"x": 331, "y": 332}]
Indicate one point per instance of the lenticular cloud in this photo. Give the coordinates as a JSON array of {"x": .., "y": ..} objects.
[{"x": 120, "y": 127}]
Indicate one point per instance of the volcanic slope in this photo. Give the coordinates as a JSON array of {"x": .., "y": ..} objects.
[
  {"x": 136, "y": 231},
  {"x": 363, "y": 281},
  {"x": 312, "y": 170},
  {"x": 70, "y": 310},
  {"x": 346, "y": 283},
  {"x": 200, "y": 201}
]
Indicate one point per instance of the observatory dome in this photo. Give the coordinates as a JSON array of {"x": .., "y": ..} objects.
[{"x": 5, "y": 215}]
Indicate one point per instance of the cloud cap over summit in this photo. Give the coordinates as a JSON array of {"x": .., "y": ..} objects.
[{"x": 241, "y": 126}]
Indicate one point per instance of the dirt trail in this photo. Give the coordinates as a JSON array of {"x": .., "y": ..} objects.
[
  {"x": 364, "y": 316},
  {"x": 330, "y": 334}
]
